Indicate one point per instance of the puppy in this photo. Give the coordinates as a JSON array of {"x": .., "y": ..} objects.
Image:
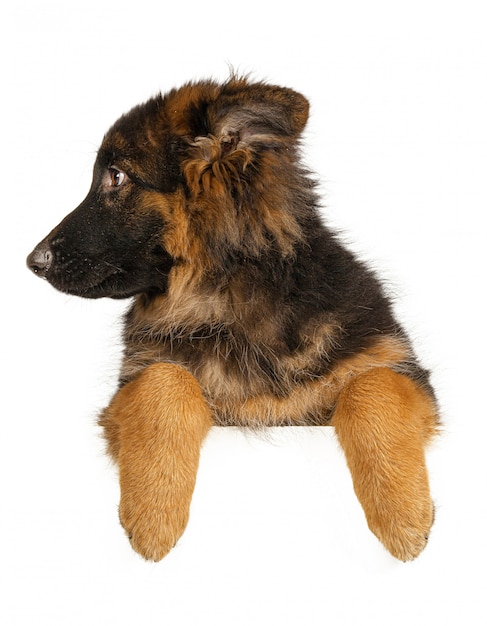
[{"x": 246, "y": 309}]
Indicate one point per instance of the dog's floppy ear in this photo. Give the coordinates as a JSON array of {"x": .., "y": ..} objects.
[
  {"x": 237, "y": 125},
  {"x": 260, "y": 113}
]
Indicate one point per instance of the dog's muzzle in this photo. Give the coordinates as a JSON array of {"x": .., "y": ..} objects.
[{"x": 40, "y": 259}]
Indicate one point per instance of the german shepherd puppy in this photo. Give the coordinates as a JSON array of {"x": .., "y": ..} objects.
[{"x": 246, "y": 309}]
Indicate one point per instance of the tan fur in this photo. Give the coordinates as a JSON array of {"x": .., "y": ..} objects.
[
  {"x": 155, "y": 426},
  {"x": 383, "y": 421},
  {"x": 211, "y": 175}
]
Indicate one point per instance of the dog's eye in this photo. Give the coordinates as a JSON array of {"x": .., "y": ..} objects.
[{"x": 115, "y": 177}]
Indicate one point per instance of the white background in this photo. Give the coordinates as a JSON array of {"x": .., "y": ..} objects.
[{"x": 398, "y": 137}]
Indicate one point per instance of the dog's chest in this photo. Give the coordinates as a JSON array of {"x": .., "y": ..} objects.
[{"x": 224, "y": 366}]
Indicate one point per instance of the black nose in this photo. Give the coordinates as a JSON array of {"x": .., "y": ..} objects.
[{"x": 40, "y": 259}]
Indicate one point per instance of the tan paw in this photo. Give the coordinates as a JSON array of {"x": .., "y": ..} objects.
[
  {"x": 152, "y": 529},
  {"x": 404, "y": 533}
]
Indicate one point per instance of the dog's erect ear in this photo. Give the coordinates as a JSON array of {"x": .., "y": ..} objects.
[{"x": 236, "y": 124}]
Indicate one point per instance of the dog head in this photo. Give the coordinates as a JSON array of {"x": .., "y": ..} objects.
[{"x": 202, "y": 177}]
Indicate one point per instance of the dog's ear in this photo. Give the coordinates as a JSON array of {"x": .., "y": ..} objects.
[
  {"x": 259, "y": 113},
  {"x": 234, "y": 127}
]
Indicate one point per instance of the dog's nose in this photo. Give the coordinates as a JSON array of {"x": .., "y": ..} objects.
[{"x": 40, "y": 259}]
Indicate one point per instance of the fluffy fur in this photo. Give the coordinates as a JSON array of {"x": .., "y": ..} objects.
[{"x": 246, "y": 309}]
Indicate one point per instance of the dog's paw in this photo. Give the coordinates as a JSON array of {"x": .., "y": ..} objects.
[
  {"x": 404, "y": 532},
  {"x": 153, "y": 529}
]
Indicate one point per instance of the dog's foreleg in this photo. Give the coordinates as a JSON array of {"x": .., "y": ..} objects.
[
  {"x": 155, "y": 426},
  {"x": 383, "y": 421}
]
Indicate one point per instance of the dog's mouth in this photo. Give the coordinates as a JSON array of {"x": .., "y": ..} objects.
[
  {"x": 106, "y": 282},
  {"x": 81, "y": 276},
  {"x": 90, "y": 282}
]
